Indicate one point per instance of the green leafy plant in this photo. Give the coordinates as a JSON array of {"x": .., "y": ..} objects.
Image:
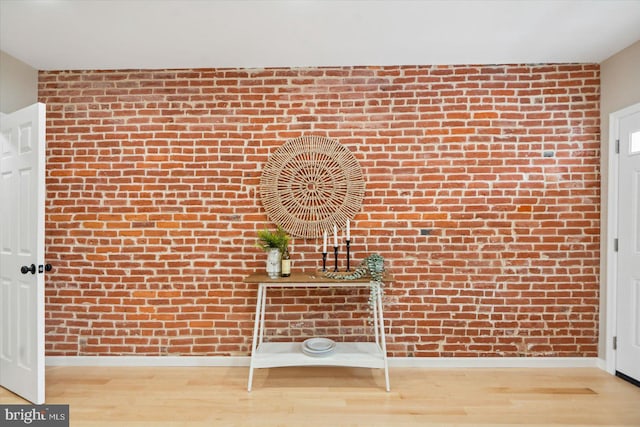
[{"x": 278, "y": 239}]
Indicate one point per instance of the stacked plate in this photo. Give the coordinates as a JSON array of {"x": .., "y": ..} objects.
[{"x": 318, "y": 347}]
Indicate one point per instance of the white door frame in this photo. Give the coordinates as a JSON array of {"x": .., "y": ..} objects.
[{"x": 612, "y": 233}]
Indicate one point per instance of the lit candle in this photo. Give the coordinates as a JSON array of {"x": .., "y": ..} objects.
[
  {"x": 348, "y": 231},
  {"x": 335, "y": 236},
  {"x": 324, "y": 242}
]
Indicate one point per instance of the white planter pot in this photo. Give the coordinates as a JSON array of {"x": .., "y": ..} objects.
[{"x": 274, "y": 267}]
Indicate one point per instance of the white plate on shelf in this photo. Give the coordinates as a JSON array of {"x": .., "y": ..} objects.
[
  {"x": 317, "y": 353},
  {"x": 317, "y": 347}
]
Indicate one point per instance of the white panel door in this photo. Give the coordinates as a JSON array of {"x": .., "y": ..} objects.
[
  {"x": 628, "y": 298},
  {"x": 22, "y": 191}
]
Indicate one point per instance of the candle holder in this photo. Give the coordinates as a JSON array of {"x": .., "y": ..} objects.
[
  {"x": 348, "y": 244},
  {"x": 335, "y": 253},
  {"x": 324, "y": 261}
]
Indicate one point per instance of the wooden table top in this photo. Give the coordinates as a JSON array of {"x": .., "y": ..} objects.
[{"x": 310, "y": 276}]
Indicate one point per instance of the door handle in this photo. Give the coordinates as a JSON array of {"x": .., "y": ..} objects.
[
  {"x": 41, "y": 268},
  {"x": 24, "y": 269}
]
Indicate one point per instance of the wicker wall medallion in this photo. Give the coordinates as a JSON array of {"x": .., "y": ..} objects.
[{"x": 311, "y": 183}]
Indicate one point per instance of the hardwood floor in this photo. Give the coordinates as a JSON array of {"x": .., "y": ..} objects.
[{"x": 306, "y": 397}]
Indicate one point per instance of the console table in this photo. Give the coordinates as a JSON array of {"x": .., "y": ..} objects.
[{"x": 278, "y": 354}]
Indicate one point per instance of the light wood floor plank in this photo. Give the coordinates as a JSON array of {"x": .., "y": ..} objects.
[{"x": 309, "y": 397}]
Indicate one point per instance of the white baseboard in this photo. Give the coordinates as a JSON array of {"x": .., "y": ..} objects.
[
  {"x": 186, "y": 361},
  {"x": 395, "y": 362},
  {"x": 493, "y": 362}
]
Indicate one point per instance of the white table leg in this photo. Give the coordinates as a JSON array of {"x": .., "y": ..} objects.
[
  {"x": 256, "y": 329},
  {"x": 263, "y": 306},
  {"x": 376, "y": 323},
  {"x": 383, "y": 341}
]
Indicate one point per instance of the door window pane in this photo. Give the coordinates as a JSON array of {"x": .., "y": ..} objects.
[{"x": 635, "y": 142}]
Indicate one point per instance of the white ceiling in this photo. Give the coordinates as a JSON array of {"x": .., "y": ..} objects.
[{"x": 116, "y": 34}]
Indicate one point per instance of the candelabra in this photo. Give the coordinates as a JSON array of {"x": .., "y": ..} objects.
[
  {"x": 335, "y": 253},
  {"x": 324, "y": 261}
]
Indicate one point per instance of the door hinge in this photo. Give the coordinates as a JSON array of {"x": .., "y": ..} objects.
[
  {"x": 615, "y": 244},
  {"x": 615, "y": 343},
  {"x": 617, "y": 146}
]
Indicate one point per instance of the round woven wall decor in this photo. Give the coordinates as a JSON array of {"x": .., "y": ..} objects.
[{"x": 311, "y": 183}]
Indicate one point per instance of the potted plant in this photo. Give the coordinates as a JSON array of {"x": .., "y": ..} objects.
[{"x": 274, "y": 243}]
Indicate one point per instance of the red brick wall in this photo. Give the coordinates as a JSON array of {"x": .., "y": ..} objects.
[{"x": 482, "y": 194}]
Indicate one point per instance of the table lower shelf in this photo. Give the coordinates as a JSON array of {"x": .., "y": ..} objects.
[{"x": 353, "y": 354}]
